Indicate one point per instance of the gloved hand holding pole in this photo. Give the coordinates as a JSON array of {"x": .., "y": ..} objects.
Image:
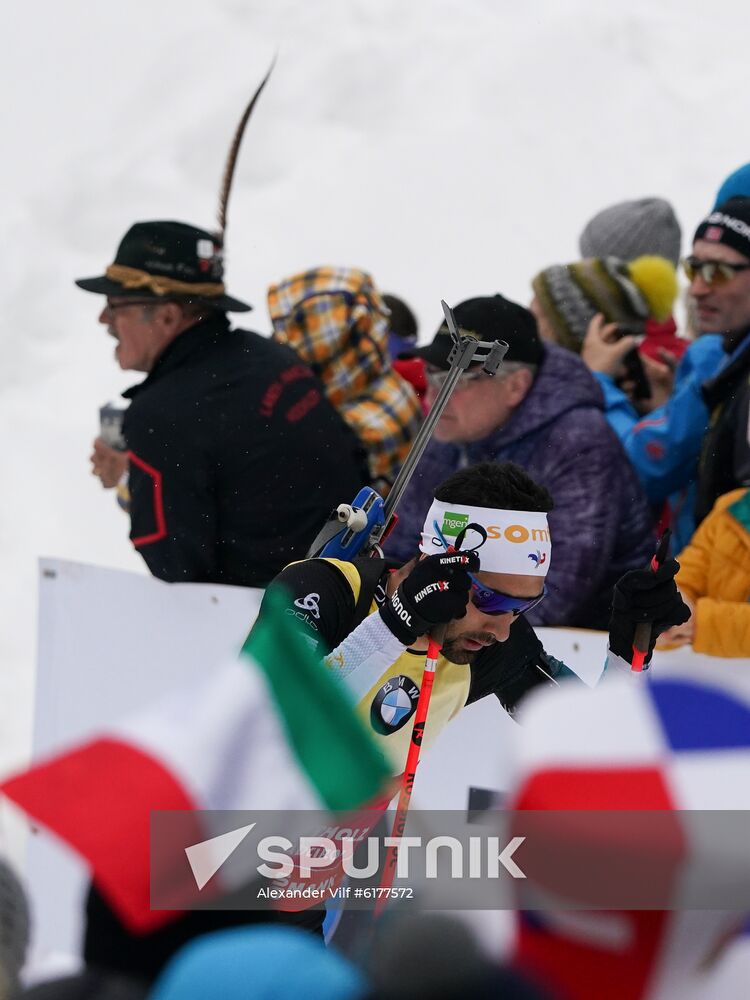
[
  {"x": 642, "y": 635},
  {"x": 434, "y": 593},
  {"x": 646, "y": 603}
]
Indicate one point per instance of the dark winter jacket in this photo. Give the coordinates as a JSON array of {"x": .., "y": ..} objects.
[
  {"x": 725, "y": 456},
  {"x": 236, "y": 458},
  {"x": 601, "y": 525}
]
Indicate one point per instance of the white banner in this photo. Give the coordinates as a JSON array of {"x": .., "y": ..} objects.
[{"x": 110, "y": 642}]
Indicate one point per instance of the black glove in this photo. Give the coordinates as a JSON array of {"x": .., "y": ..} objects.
[
  {"x": 434, "y": 593},
  {"x": 645, "y": 595}
]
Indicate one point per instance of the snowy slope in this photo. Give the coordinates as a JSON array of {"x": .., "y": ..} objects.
[{"x": 450, "y": 147}]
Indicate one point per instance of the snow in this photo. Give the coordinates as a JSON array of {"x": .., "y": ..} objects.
[{"x": 450, "y": 147}]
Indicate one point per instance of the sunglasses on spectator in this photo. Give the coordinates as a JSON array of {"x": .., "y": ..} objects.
[
  {"x": 437, "y": 377},
  {"x": 713, "y": 272},
  {"x": 494, "y": 602}
]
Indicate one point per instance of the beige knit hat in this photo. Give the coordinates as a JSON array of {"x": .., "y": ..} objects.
[{"x": 627, "y": 293}]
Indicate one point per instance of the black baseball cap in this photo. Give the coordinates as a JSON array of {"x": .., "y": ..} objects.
[
  {"x": 167, "y": 260},
  {"x": 487, "y": 317}
]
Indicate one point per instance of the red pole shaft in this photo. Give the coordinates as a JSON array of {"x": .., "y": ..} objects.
[{"x": 407, "y": 779}]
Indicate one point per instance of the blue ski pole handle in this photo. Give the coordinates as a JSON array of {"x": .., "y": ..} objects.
[{"x": 351, "y": 527}]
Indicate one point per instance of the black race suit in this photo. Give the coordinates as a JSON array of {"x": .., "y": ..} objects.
[{"x": 337, "y": 601}]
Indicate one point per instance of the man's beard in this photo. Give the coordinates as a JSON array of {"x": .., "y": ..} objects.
[{"x": 455, "y": 652}]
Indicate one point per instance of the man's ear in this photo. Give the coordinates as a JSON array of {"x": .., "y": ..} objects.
[
  {"x": 171, "y": 314},
  {"x": 519, "y": 383}
]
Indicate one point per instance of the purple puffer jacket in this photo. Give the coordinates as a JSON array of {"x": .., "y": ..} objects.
[{"x": 601, "y": 525}]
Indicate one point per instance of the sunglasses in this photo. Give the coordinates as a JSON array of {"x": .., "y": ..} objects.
[
  {"x": 143, "y": 301},
  {"x": 494, "y": 602},
  {"x": 713, "y": 272}
]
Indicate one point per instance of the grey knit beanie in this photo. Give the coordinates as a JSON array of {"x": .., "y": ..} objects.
[{"x": 633, "y": 228}]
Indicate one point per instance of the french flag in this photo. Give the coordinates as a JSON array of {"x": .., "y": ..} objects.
[{"x": 668, "y": 749}]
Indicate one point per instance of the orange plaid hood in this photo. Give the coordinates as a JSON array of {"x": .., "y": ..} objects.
[{"x": 337, "y": 322}]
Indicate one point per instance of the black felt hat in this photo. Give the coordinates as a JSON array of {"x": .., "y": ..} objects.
[
  {"x": 488, "y": 317},
  {"x": 167, "y": 260}
]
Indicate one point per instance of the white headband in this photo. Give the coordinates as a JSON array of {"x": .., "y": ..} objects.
[{"x": 518, "y": 541}]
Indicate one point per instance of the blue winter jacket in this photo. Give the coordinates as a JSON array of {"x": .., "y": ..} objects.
[
  {"x": 601, "y": 525},
  {"x": 664, "y": 447}
]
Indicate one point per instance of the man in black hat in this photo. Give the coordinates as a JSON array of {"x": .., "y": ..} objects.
[
  {"x": 235, "y": 455},
  {"x": 719, "y": 273},
  {"x": 544, "y": 411}
]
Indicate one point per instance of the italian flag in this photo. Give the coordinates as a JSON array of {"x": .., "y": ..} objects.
[{"x": 271, "y": 730}]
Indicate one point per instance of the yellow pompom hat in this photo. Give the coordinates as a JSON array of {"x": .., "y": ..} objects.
[{"x": 625, "y": 292}]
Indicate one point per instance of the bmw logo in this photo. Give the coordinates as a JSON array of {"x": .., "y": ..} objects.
[{"x": 394, "y": 704}]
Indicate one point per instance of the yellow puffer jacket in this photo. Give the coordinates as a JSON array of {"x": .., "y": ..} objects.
[{"x": 715, "y": 575}]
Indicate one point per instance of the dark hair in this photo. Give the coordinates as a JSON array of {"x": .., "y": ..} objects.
[
  {"x": 502, "y": 485},
  {"x": 402, "y": 322},
  {"x": 110, "y": 945},
  {"x": 457, "y": 967},
  {"x": 91, "y": 984}
]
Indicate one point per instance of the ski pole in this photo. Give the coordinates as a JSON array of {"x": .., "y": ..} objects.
[
  {"x": 465, "y": 351},
  {"x": 360, "y": 526},
  {"x": 412, "y": 760},
  {"x": 434, "y": 645},
  {"x": 642, "y": 634}
]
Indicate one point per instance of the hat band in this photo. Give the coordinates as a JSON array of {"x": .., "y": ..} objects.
[
  {"x": 132, "y": 277},
  {"x": 725, "y": 227}
]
